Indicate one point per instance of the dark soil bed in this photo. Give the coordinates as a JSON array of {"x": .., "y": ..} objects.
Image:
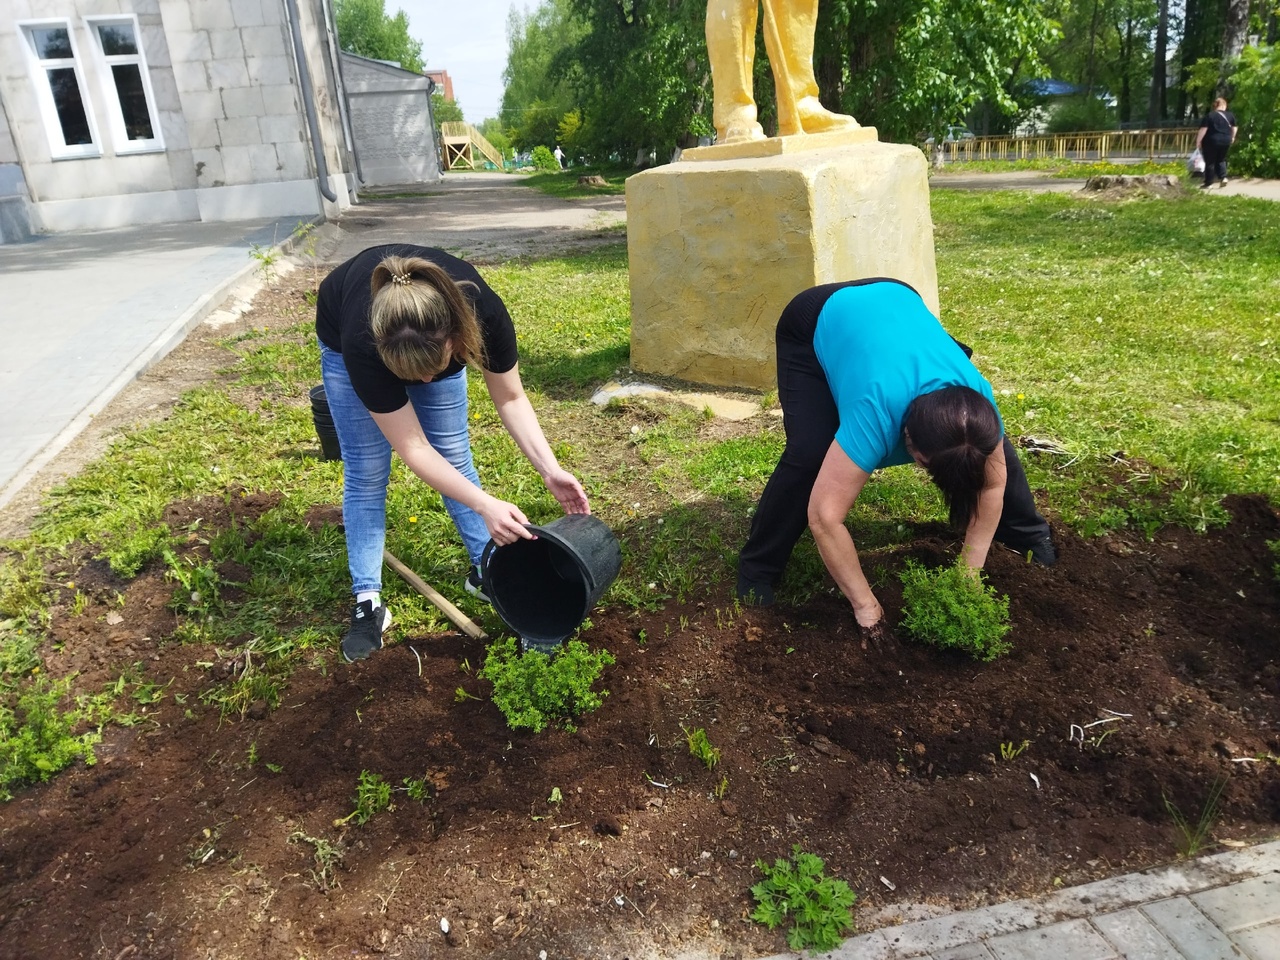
[{"x": 888, "y": 766}]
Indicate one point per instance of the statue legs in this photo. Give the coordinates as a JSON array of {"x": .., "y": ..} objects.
[
  {"x": 789, "y": 26},
  {"x": 731, "y": 47}
]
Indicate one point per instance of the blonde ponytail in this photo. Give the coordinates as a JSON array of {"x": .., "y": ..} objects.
[{"x": 421, "y": 319}]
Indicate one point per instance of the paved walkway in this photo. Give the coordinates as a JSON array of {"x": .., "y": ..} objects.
[{"x": 1223, "y": 907}]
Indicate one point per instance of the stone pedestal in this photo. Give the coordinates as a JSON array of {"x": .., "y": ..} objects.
[{"x": 718, "y": 247}]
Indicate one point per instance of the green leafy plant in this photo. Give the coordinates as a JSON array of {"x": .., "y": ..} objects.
[
  {"x": 417, "y": 789},
  {"x": 819, "y": 906},
  {"x": 267, "y": 258},
  {"x": 951, "y": 607},
  {"x": 37, "y": 738},
  {"x": 543, "y": 159},
  {"x": 1274, "y": 546},
  {"x": 1193, "y": 836},
  {"x": 700, "y": 747},
  {"x": 1011, "y": 751},
  {"x": 535, "y": 690},
  {"x": 373, "y": 795}
]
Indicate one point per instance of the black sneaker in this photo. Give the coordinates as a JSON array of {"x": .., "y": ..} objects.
[
  {"x": 754, "y": 594},
  {"x": 368, "y": 624},
  {"x": 475, "y": 585},
  {"x": 1043, "y": 552}
]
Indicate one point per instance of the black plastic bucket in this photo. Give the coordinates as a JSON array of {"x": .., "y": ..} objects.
[
  {"x": 325, "y": 430},
  {"x": 544, "y": 588}
]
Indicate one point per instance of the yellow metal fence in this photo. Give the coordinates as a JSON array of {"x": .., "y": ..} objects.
[{"x": 1103, "y": 145}]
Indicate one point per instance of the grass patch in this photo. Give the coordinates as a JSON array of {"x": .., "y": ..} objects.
[
  {"x": 565, "y": 183},
  {"x": 1060, "y": 167}
]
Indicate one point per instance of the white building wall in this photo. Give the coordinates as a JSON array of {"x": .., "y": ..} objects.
[{"x": 227, "y": 98}]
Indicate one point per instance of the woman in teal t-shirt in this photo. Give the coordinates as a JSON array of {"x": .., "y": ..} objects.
[{"x": 868, "y": 378}]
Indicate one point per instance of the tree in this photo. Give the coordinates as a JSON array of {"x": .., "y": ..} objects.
[
  {"x": 537, "y": 93},
  {"x": 1157, "y": 103},
  {"x": 445, "y": 111},
  {"x": 365, "y": 29},
  {"x": 911, "y": 67}
]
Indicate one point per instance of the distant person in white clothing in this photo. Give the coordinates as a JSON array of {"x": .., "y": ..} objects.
[{"x": 559, "y": 155}]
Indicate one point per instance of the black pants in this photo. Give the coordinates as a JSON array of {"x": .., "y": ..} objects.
[
  {"x": 810, "y": 419},
  {"x": 1215, "y": 160}
]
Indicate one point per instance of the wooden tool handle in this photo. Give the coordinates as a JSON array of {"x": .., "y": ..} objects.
[{"x": 460, "y": 619}]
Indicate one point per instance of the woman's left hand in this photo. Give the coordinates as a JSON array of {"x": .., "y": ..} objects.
[{"x": 564, "y": 486}]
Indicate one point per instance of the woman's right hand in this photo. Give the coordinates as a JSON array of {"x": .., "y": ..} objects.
[
  {"x": 868, "y": 614},
  {"x": 506, "y": 522}
]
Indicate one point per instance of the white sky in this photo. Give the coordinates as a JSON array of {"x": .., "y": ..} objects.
[{"x": 469, "y": 39}]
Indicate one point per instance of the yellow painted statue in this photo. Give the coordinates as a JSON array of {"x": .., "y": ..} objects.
[{"x": 789, "y": 26}]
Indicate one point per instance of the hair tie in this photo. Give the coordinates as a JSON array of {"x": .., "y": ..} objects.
[{"x": 401, "y": 279}]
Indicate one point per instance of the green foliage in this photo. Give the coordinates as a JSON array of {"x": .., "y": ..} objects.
[
  {"x": 952, "y": 608},
  {"x": 1255, "y": 102},
  {"x": 1011, "y": 751},
  {"x": 538, "y": 93},
  {"x": 1081, "y": 113},
  {"x": 373, "y": 795},
  {"x": 819, "y": 906},
  {"x": 544, "y": 159},
  {"x": 1274, "y": 545},
  {"x": 365, "y": 28},
  {"x": 326, "y": 857},
  {"x": 417, "y": 789},
  {"x": 37, "y": 737},
  {"x": 445, "y": 111},
  {"x": 535, "y": 690},
  {"x": 700, "y": 747},
  {"x": 1193, "y": 836}
]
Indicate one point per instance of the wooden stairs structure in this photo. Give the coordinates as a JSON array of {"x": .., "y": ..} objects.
[{"x": 465, "y": 147}]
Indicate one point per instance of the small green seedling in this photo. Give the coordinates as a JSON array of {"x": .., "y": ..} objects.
[
  {"x": 417, "y": 789},
  {"x": 954, "y": 607},
  {"x": 461, "y": 696},
  {"x": 722, "y": 788},
  {"x": 534, "y": 690},
  {"x": 700, "y": 747},
  {"x": 1011, "y": 750},
  {"x": 818, "y": 905},
  {"x": 1192, "y": 837},
  {"x": 556, "y": 796},
  {"x": 373, "y": 795},
  {"x": 326, "y": 857}
]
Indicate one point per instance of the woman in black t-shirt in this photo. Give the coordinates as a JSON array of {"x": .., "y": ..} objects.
[
  {"x": 1217, "y": 133},
  {"x": 398, "y": 325}
]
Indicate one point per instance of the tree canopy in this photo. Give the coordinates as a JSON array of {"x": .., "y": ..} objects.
[
  {"x": 365, "y": 28},
  {"x": 619, "y": 76}
]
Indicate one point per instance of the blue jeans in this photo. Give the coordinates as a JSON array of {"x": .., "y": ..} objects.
[{"x": 366, "y": 455}]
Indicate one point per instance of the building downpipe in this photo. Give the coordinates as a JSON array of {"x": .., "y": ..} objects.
[{"x": 308, "y": 98}]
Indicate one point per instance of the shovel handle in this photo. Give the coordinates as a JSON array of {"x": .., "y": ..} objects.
[{"x": 459, "y": 619}]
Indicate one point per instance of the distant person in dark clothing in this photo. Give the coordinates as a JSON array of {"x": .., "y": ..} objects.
[
  {"x": 868, "y": 378},
  {"x": 1217, "y": 133}
]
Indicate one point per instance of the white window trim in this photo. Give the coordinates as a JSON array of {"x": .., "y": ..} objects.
[
  {"x": 58, "y": 147},
  {"x": 115, "y": 116}
]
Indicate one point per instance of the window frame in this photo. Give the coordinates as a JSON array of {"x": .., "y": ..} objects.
[
  {"x": 115, "y": 113},
  {"x": 39, "y": 69}
]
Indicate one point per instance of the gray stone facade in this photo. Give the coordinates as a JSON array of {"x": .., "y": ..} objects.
[{"x": 207, "y": 123}]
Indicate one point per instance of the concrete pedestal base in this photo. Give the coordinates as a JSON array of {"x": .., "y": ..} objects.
[{"x": 717, "y": 248}]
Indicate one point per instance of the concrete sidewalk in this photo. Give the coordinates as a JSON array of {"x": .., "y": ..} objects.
[
  {"x": 1223, "y": 907},
  {"x": 83, "y": 314}
]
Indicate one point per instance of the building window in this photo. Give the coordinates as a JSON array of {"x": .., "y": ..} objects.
[
  {"x": 130, "y": 102},
  {"x": 68, "y": 119}
]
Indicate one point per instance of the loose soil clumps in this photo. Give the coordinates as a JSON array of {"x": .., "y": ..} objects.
[{"x": 1142, "y": 673}]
